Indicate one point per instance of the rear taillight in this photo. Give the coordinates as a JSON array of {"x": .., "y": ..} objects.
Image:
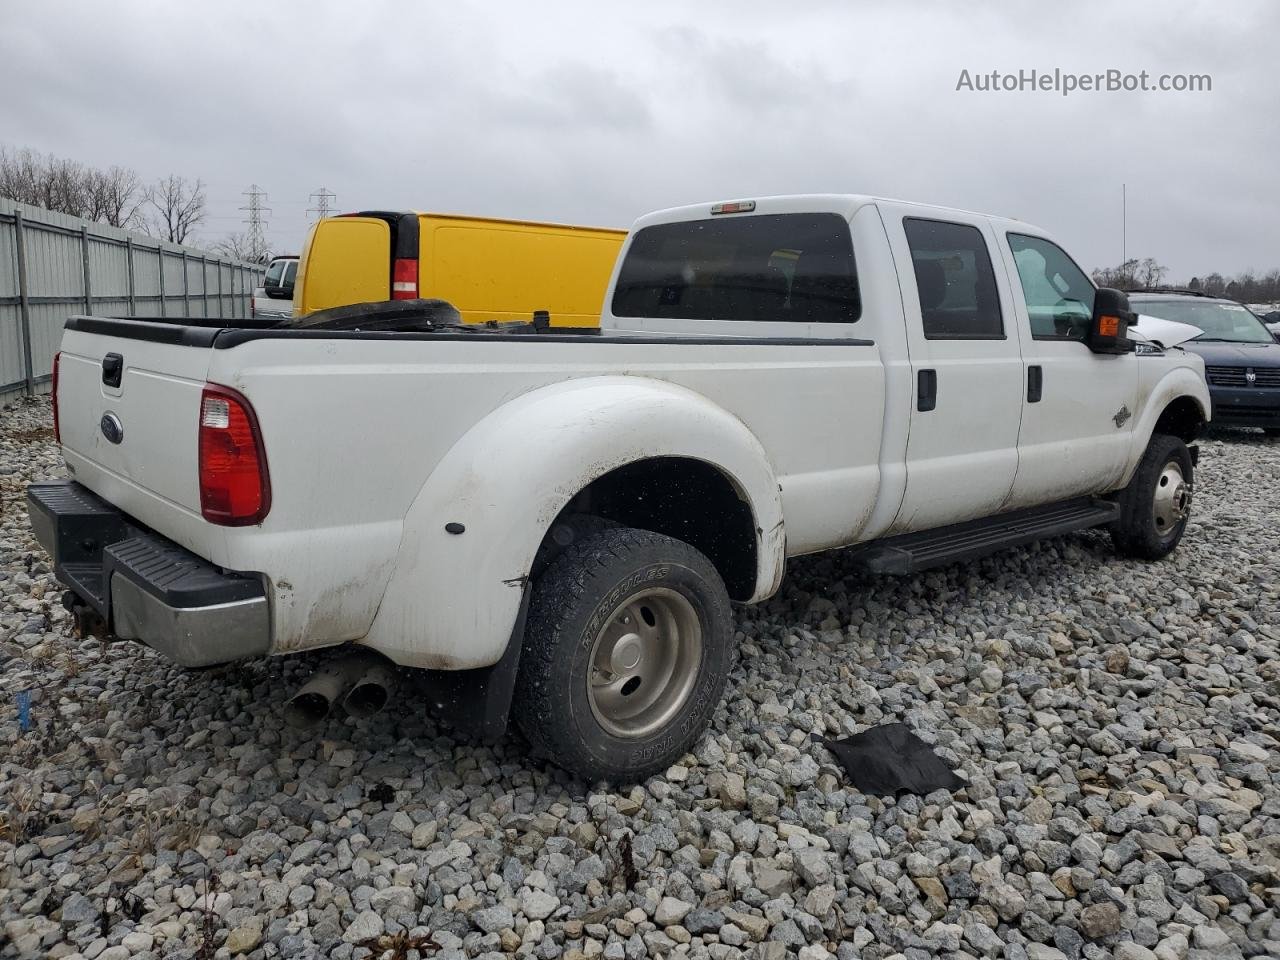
[
  {"x": 404, "y": 280},
  {"x": 57, "y": 433},
  {"x": 235, "y": 489}
]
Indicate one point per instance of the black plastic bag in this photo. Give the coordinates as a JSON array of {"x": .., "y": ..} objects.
[{"x": 889, "y": 760}]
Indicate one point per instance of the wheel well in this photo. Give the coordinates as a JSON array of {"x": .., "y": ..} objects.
[
  {"x": 1182, "y": 419},
  {"x": 683, "y": 498}
]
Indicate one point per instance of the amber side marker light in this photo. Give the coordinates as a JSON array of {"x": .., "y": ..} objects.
[{"x": 1108, "y": 326}]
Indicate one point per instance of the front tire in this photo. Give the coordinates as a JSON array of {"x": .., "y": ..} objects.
[
  {"x": 626, "y": 654},
  {"x": 1156, "y": 504}
]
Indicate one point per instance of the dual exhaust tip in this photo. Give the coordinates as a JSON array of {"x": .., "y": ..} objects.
[{"x": 361, "y": 681}]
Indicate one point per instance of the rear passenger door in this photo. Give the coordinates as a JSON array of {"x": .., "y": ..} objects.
[
  {"x": 1077, "y": 422},
  {"x": 962, "y": 452}
]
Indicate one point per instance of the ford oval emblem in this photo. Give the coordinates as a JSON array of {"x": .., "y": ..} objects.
[{"x": 112, "y": 428}]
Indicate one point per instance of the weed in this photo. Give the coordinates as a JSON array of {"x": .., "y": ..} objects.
[
  {"x": 399, "y": 945},
  {"x": 623, "y": 875},
  {"x": 209, "y": 919}
]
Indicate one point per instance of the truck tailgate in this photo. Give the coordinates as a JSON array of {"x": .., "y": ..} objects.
[{"x": 128, "y": 411}]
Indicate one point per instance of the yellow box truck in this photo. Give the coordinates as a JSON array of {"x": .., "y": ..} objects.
[{"x": 489, "y": 269}]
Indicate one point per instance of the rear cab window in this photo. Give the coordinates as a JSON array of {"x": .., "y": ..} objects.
[{"x": 796, "y": 267}]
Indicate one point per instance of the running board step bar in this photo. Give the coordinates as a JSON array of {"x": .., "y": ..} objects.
[{"x": 977, "y": 538}]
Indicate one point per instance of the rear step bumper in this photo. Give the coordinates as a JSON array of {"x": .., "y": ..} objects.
[{"x": 145, "y": 587}]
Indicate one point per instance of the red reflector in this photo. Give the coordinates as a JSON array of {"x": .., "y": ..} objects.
[
  {"x": 57, "y": 434},
  {"x": 404, "y": 280},
  {"x": 235, "y": 489}
]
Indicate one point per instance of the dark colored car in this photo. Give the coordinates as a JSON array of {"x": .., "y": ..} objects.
[{"x": 1241, "y": 356}]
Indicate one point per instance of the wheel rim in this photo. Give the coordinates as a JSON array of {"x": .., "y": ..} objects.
[
  {"x": 644, "y": 662},
  {"x": 1172, "y": 501}
]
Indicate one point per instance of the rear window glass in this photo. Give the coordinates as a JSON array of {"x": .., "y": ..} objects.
[
  {"x": 274, "y": 273},
  {"x": 795, "y": 267}
]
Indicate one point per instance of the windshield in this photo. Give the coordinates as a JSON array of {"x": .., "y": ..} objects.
[
  {"x": 1220, "y": 321},
  {"x": 274, "y": 273}
]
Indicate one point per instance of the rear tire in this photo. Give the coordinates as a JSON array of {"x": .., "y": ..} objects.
[
  {"x": 1154, "y": 507},
  {"x": 564, "y": 533},
  {"x": 626, "y": 654}
]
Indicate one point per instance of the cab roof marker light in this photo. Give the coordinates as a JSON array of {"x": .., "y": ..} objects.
[{"x": 734, "y": 206}]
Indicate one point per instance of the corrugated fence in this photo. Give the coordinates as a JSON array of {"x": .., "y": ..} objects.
[{"x": 53, "y": 265}]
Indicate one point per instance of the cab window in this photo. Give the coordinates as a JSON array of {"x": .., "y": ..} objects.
[
  {"x": 954, "y": 280},
  {"x": 1058, "y": 295},
  {"x": 795, "y": 267}
]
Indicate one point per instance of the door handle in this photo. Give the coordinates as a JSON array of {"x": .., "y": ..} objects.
[
  {"x": 1035, "y": 383},
  {"x": 926, "y": 390}
]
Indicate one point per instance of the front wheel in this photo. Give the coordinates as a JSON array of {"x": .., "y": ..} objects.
[
  {"x": 626, "y": 654},
  {"x": 1154, "y": 507}
]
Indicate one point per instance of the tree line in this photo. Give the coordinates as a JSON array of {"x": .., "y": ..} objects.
[
  {"x": 170, "y": 208},
  {"x": 1247, "y": 286}
]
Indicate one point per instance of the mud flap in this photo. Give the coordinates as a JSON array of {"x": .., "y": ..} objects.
[{"x": 477, "y": 703}]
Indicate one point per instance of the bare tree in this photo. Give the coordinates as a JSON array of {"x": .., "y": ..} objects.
[
  {"x": 1131, "y": 274},
  {"x": 1149, "y": 273},
  {"x": 49, "y": 182},
  {"x": 237, "y": 246},
  {"x": 115, "y": 197},
  {"x": 178, "y": 205}
]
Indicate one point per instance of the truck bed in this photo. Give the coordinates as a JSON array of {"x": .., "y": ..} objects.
[{"x": 356, "y": 423}]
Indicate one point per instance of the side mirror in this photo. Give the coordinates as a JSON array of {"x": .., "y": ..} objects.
[{"x": 1109, "y": 327}]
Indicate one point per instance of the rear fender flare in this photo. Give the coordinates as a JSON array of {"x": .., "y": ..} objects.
[{"x": 453, "y": 598}]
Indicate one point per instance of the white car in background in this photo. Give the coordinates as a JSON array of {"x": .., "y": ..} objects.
[{"x": 275, "y": 297}]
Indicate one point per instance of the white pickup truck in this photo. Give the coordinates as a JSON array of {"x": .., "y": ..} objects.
[{"x": 553, "y": 523}]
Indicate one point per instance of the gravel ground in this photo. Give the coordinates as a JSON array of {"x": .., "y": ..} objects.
[{"x": 1117, "y": 723}]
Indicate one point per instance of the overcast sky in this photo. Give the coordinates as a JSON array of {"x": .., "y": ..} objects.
[{"x": 595, "y": 112}]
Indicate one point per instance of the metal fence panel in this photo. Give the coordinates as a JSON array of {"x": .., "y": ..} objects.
[
  {"x": 76, "y": 266},
  {"x": 11, "y": 369},
  {"x": 8, "y": 261}
]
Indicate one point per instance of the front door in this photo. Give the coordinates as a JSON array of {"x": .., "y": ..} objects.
[
  {"x": 962, "y": 451},
  {"x": 1078, "y": 413}
]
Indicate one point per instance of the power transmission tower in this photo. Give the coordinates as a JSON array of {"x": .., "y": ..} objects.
[
  {"x": 324, "y": 203},
  {"x": 254, "y": 220}
]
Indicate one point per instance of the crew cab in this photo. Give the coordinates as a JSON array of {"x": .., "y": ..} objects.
[{"x": 553, "y": 523}]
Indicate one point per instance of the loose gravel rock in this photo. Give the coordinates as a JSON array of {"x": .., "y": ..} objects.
[{"x": 1116, "y": 724}]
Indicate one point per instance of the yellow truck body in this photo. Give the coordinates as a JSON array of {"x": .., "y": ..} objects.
[{"x": 489, "y": 269}]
